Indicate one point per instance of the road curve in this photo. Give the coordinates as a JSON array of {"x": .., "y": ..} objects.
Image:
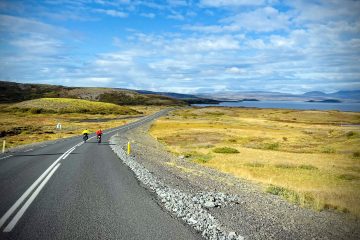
[{"x": 70, "y": 190}]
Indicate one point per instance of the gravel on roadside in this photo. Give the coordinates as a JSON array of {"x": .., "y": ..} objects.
[{"x": 225, "y": 207}]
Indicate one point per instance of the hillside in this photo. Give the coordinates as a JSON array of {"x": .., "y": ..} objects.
[
  {"x": 11, "y": 92},
  {"x": 67, "y": 105}
]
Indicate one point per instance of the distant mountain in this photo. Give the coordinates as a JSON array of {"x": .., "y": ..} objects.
[
  {"x": 189, "y": 98},
  {"x": 315, "y": 94},
  {"x": 11, "y": 92},
  {"x": 347, "y": 96},
  {"x": 354, "y": 94}
]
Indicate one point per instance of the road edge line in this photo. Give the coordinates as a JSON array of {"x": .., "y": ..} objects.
[{"x": 22, "y": 210}]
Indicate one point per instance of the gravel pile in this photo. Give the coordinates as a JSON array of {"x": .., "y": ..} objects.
[{"x": 192, "y": 209}]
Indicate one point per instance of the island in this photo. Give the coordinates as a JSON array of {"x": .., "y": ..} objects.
[
  {"x": 325, "y": 101},
  {"x": 250, "y": 100}
]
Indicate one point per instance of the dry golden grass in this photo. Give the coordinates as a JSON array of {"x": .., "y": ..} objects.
[
  {"x": 311, "y": 158},
  {"x": 24, "y": 128}
]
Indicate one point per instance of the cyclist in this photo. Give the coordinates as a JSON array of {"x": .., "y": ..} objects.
[
  {"x": 85, "y": 134},
  {"x": 98, "y": 135}
]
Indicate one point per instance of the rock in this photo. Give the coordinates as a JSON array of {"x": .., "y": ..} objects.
[
  {"x": 192, "y": 221},
  {"x": 209, "y": 204},
  {"x": 232, "y": 236},
  {"x": 192, "y": 208}
]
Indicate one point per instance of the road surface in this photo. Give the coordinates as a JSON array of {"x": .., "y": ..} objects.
[{"x": 71, "y": 190}]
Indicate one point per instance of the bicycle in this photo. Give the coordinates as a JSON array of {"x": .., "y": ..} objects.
[
  {"x": 85, "y": 137},
  {"x": 98, "y": 138}
]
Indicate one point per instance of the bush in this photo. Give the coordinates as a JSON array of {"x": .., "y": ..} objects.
[
  {"x": 350, "y": 134},
  {"x": 198, "y": 157},
  {"x": 328, "y": 150},
  {"x": 225, "y": 150},
  {"x": 283, "y": 192},
  {"x": 348, "y": 177},
  {"x": 271, "y": 146},
  {"x": 36, "y": 110},
  {"x": 202, "y": 158},
  {"x": 308, "y": 167},
  {"x": 285, "y": 166},
  {"x": 254, "y": 164},
  {"x": 356, "y": 154}
]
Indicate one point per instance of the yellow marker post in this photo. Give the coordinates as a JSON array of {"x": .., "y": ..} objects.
[
  {"x": 129, "y": 148},
  {"x": 3, "y": 148}
]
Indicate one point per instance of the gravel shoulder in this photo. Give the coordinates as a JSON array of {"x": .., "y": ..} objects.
[{"x": 256, "y": 215}]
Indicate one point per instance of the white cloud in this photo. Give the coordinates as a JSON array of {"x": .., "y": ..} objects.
[
  {"x": 19, "y": 25},
  {"x": 38, "y": 44},
  {"x": 176, "y": 16},
  {"x": 234, "y": 70},
  {"x": 111, "y": 12},
  {"x": 265, "y": 19},
  {"x": 230, "y": 3},
  {"x": 148, "y": 15}
]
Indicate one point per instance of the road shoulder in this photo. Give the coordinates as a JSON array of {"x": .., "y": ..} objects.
[{"x": 257, "y": 215}]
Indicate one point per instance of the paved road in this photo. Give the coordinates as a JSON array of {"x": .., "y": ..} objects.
[{"x": 70, "y": 190}]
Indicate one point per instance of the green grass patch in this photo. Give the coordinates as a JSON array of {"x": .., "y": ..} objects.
[
  {"x": 288, "y": 194},
  {"x": 348, "y": 177},
  {"x": 254, "y": 164},
  {"x": 304, "y": 199},
  {"x": 308, "y": 167},
  {"x": 328, "y": 150},
  {"x": 356, "y": 154},
  {"x": 285, "y": 166},
  {"x": 198, "y": 157},
  {"x": 67, "y": 105},
  {"x": 271, "y": 146},
  {"x": 228, "y": 150}
]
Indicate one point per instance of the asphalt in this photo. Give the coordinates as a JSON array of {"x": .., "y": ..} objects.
[{"x": 90, "y": 194}]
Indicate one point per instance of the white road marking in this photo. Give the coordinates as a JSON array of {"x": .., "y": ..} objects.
[
  {"x": 67, "y": 154},
  {"x": 6, "y": 157},
  {"x": 47, "y": 176},
  {"x": 28, "y": 150},
  {"x": 27, "y": 192},
  {"x": 22, "y": 210}
]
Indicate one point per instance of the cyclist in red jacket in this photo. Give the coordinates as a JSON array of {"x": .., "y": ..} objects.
[{"x": 98, "y": 135}]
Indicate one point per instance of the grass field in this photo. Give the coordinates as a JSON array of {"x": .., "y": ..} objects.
[
  {"x": 311, "y": 158},
  {"x": 68, "y": 105},
  {"x": 36, "y": 120}
]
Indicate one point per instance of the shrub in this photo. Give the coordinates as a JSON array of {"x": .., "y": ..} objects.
[
  {"x": 348, "y": 177},
  {"x": 285, "y": 166},
  {"x": 308, "y": 167},
  {"x": 271, "y": 146},
  {"x": 203, "y": 158},
  {"x": 356, "y": 154},
  {"x": 254, "y": 164},
  {"x": 198, "y": 157},
  {"x": 283, "y": 192},
  {"x": 225, "y": 150},
  {"x": 328, "y": 150},
  {"x": 285, "y": 139},
  {"x": 350, "y": 134},
  {"x": 36, "y": 110}
]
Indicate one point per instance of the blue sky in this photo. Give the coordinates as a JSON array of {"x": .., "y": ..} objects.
[{"x": 183, "y": 45}]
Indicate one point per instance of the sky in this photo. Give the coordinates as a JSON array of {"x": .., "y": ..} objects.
[{"x": 183, "y": 46}]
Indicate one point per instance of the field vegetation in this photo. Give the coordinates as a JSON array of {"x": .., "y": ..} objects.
[
  {"x": 35, "y": 120},
  {"x": 310, "y": 158},
  {"x": 67, "y": 105}
]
